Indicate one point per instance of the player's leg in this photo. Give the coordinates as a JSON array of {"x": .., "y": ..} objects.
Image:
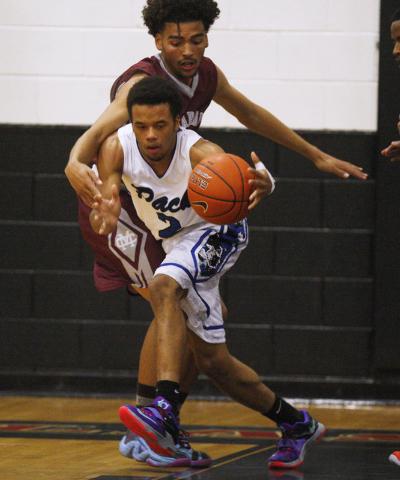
[
  {"x": 117, "y": 264},
  {"x": 241, "y": 383},
  {"x": 133, "y": 446},
  {"x": 232, "y": 377},
  {"x": 206, "y": 262},
  {"x": 195, "y": 262}
]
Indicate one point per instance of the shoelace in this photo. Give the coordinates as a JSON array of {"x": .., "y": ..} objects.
[
  {"x": 165, "y": 417},
  {"x": 287, "y": 438},
  {"x": 182, "y": 441}
]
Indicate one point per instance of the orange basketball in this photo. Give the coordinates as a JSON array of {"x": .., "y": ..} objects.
[{"x": 219, "y": 188}]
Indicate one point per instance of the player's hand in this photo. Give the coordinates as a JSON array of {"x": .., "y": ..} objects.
[
  {"x": 392, "y": 151},
  {"x": 330, "y": 164},
  {"x": 105, "y": 213},
  {"x": 84, "y": 181},
  {"x": 262, "y": 183}
]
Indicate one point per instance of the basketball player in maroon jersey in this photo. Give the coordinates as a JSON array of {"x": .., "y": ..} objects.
[{"x": 180, "y": 29}]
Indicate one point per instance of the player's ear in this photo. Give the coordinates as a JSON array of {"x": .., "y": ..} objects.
[
  {"x": 158, "y": 41},
  {"x": 177, "y": 125},
  {"x": 206, "y": 41}
]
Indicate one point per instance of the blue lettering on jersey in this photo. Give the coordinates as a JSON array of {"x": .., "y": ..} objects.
[{"x": 163, "y": 204}]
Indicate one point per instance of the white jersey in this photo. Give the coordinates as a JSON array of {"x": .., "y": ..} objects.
[{"x": 161, "y": 203}]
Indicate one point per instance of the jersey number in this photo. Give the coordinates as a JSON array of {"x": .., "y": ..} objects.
[{"x": 174, "y": 226}]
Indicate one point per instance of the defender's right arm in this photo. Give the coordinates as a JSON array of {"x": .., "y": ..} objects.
[{"x": 82, "y": 178}]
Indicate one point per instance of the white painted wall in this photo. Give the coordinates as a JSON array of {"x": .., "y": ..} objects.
[{"x": 313, "y": 63}]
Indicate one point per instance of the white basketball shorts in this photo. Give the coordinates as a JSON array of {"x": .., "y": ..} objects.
[{"x": 197, "y": 263}]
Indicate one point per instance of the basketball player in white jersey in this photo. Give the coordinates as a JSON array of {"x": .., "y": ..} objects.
[{"x": 154, "y": 157}]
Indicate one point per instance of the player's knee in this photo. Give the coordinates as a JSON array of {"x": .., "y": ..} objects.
[
  {"x": 163, "y": 287},
  {"x": 213, "y": 363}
]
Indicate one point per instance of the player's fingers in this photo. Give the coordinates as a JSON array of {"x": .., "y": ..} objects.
[
  {"x": 87, "y": 199},
  {"x": 347, "y": 169},
  {"x": 253, "y": 203},
  {"x": 392, "y": 152},
  {"x": 114, "y": 193},
  {"x": 253, "y": 195},
  {"x": 94, "y": 178},
  {"x": 102, "y": 228},
  {"x": 254, "y": 157},
  {"x": 93, "y": 191}
]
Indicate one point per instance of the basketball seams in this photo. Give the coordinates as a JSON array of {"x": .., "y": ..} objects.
[
  {"x": 226, "y": 183},
  {"x": 242, "y": 185}
]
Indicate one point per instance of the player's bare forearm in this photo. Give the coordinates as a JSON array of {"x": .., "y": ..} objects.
[
  {"x": 81, "y": 177},
  {"x": 261, "y": 121},
  {"x": 280, "y": 133}
]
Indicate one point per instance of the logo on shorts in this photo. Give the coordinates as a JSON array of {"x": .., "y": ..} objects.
[
  {"x": 126, "y": 240},
  {"x": 210, "y": 255}
]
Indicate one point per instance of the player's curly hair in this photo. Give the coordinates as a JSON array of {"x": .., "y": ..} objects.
[
  {"x": 154, "y": 91},
  {"x": 157, "y": 13}
]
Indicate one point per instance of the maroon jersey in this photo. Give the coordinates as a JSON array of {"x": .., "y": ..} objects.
[{"x": 196, "y": 99}]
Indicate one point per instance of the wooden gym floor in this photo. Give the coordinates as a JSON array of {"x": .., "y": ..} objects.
[{"x": 52, "y": 438}]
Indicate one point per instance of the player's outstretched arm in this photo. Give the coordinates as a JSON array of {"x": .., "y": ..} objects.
[
  {"x": 264, "y": 123},
  {"x": 82, "y": 178}
]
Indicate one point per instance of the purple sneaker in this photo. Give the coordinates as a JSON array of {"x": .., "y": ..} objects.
[
  {"x": 160, "y": 428},
  {"x": 296, "y": 440},
  {"x": 155, "y": 423},
  {"x": 133, "y": 446},
  {"x": 194, "y": 459}
]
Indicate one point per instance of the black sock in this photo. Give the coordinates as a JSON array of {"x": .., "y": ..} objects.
[
  {"x": 146, "y": 394},
  {"x": 283, "y": 412},
  {"x": 170, "y": 391}
]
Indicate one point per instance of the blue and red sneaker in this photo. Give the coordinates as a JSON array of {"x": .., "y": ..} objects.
[
  {"x": 296, "y": 440},
  {"x": 395, "y": 458},
  {"x": 133, "y": 446},
  {"x": 159, "y": 427}
]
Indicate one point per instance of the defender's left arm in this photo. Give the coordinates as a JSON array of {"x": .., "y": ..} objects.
[{"x": 261, "y": 121}]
